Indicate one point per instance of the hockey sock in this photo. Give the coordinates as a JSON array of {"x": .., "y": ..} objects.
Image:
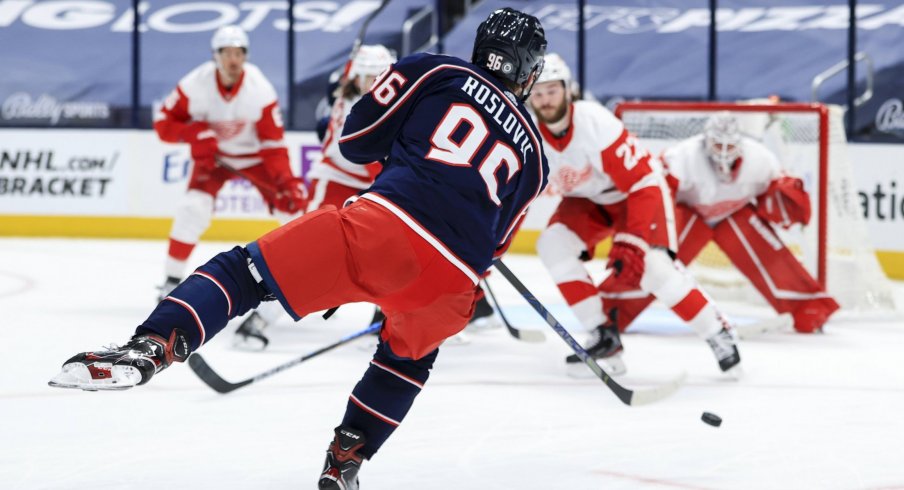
[
  {"x": 384, "y": 395},
  {"x": 216, "y": 292}
]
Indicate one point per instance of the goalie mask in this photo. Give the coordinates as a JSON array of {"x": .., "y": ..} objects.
[{"x": 722, "y": 143}]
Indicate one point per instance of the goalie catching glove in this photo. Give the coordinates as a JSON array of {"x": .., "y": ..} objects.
[
  {"x": 626, "y": 258},
  {"x": 785, "y": 202}
]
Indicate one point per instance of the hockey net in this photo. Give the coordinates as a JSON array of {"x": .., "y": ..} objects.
[{"x": 809, "y": 141}]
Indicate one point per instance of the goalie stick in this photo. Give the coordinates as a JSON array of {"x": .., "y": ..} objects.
[
  {"x": 525, "y": 335},
  {"x": 220, "y": 385},
  {"x": 627, "y": 396}
]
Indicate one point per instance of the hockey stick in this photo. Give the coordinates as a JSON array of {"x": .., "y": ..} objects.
[
  {"x": 359, "y": 40},
  {"x": 525, "y": 335},
  {"x": 264, "y": 186},
  {"x": 627, "y": 396},
  {"x": 220, "y": 385}
]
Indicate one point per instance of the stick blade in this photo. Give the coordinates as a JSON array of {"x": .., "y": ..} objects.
[
  {"x": 652, "y": 395},
  {"x": 535, "y": 336},
  {"x": 210, "y": 377}
]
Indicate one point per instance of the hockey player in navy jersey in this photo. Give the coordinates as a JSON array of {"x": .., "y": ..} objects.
[{"x": 462, "y": 162}]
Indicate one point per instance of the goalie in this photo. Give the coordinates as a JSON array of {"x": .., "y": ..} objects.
[{"x": 730, "y": 189}]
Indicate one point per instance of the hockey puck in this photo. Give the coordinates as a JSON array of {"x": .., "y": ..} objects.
[{"x": 711, "y": 419}]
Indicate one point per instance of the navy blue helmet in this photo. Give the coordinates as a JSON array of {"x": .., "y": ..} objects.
[{"x": 511, "y": 45}]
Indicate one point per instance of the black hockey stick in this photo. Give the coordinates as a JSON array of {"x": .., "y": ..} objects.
[
  {"x": 220, "y": 385},
  {"x": 525, "y": 335},
  {"x": 359, "y": 40},
  {"x": 627, "y": 396}
]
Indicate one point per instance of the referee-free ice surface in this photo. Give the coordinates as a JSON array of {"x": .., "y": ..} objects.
[{"x": 812, "y": 412}]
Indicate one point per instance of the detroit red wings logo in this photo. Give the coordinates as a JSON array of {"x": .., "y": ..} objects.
[
  {"x": 226, "y": 130},
  {"x": 567, "y": 179}
]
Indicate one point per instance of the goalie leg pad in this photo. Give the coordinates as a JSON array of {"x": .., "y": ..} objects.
[{"x": 756, "y": 251}]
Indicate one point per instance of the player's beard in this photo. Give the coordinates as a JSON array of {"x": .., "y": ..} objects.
[{"x": 549, "y": 114}]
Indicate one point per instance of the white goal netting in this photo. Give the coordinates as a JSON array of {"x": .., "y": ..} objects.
[{"x": 810, "y": 142}]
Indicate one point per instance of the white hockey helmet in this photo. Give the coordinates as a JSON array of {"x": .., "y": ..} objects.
[
  {"x": 722, "y": 142},
  {"x": 555, "y": 69},
  {"x": 231, "y": 36},
  {"x": 371, "y": 59}
]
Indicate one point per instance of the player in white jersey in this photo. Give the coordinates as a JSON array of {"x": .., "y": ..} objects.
[
  {"x": 731, "y": 189},
  {"x": 610, "y": 186},
  {"x": 228, "y": 112},
  {"x": 333, "y": 178}
]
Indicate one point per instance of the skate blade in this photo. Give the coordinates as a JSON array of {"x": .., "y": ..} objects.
[
  {"x": 614, "y": 366},
  {"x": 734, "y": 373},
  {"x": 78, "y": 376},
  {"x": 248, "y": 344}
]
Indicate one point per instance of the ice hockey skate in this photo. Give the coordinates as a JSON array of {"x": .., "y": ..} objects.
[
  {"x": 605, "y": 346},
  {"x": 167, "y": 287},
  {"x": 724, "y": 344},
  {"x": 120, "y": 368},
  {"x": 250, "y": 334},
  {"x": 340, "y": 470}
]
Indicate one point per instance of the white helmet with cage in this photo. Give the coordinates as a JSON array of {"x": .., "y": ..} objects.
[
  {"x": 371, "y": 60},
  {"x": 555, "y": 69},
  {"x": 722, "y": 142},
  {"x": 231, "y": 36}
]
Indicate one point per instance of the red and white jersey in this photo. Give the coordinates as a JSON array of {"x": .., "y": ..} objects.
[
  {"x": 245, "y": 118},
  {"x": 597, "y": 158},
  {"x": 332, "y": 166},
  {"x": 700, "y": 187}
]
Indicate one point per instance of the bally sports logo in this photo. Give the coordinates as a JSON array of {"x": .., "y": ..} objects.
[{"x": 890, "y": 117}]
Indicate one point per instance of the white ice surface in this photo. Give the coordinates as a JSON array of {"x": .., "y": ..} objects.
[{"x": 813, "y": 412}]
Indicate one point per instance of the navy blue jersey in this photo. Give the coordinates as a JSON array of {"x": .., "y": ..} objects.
[{"x": 461, "y": 154}]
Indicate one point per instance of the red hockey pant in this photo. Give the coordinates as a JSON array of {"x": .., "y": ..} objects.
[{"x": 364, "y": 253}]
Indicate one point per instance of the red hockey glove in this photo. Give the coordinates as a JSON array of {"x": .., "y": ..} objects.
[
  {"x": 627, "y": 259},
  {"x": 785, "y": 202},
  {"x": 203, "y": 143},
  {"x": 291, "y": 196}
]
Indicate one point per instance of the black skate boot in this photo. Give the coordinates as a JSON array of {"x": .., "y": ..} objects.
[
  {"x": 250, "y": 334},
  {"x": 168, "y": 285},
  {"x": 340, "y": 470},
  {"x": 604, "y": 342},
  {"x": 120, "y": 368},
  {"x": 605, "y": 346},
  {"x": 725, "y": 347}
]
